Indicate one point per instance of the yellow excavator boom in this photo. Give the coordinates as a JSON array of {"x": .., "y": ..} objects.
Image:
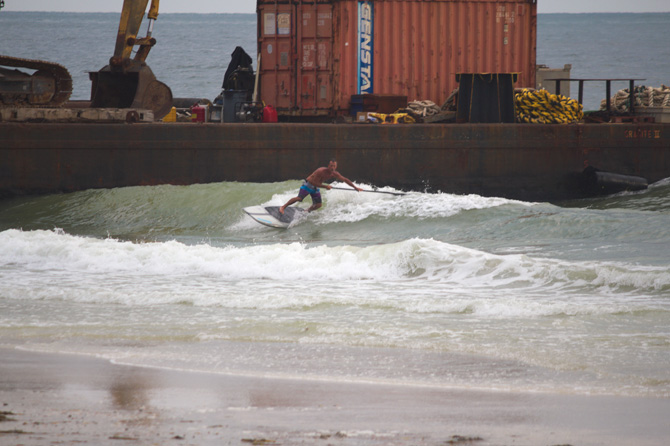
[{"x": 129, "y": 27}]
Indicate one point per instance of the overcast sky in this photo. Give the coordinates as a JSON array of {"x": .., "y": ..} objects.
[{"x": 249, "y": 6}]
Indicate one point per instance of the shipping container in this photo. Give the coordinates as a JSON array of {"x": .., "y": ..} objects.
[{"x": 314, "y": 55}]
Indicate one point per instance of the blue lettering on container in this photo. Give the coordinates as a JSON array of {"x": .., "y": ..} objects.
[{"x": 365, "y": 47}]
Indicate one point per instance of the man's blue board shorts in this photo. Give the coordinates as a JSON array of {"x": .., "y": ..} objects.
[{"x": 308, "y": 188}]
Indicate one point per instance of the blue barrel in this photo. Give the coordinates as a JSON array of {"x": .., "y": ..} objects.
[{"x": 231, "y": 103}]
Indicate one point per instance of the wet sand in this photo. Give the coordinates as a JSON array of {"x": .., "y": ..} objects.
[{"x": 50, "y": 399}]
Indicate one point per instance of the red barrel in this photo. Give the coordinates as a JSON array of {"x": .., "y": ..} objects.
[{"x": 269, "y": 114}]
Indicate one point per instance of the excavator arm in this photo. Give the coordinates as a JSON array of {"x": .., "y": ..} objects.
[
  {"x": 128, "y": 82},
  {"x": 129, "y": 27}
]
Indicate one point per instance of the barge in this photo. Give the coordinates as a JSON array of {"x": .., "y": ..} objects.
[
  {"x": 520, "y": 161},
  {"x": 311, "y": 70}
]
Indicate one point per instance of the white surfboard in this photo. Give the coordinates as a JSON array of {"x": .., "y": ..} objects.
[{"x": 270, "y": 216}]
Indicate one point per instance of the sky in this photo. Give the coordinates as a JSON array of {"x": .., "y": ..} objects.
[{"x": 249, "y": 6}]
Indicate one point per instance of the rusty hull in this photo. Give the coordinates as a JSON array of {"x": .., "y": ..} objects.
[{"x": 519, "y": 161}]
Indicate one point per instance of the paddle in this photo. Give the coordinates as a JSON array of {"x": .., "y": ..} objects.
[{"x": 372, "y": 191}]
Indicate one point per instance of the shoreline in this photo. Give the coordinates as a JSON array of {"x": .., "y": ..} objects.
[{"x": 48, "y": 398}]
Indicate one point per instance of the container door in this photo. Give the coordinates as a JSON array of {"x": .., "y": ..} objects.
[
  {"x": 315, "y": 35},
  {"x": 277, "y": 55}
]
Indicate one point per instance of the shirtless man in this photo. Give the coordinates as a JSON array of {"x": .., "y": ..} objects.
[{"x": 314, "y": 182}]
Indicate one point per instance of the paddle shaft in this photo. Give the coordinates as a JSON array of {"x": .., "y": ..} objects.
[{"x": 372, "y": 191}]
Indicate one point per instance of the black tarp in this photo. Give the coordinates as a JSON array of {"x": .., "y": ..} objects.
[{"x": 240, "y": 72}]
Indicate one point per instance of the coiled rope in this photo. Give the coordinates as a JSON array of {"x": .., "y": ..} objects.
[
  {"x": 542, "y": 107},
  {"x": 643, "y": 96},
  {"x": 423, "y": 108}
]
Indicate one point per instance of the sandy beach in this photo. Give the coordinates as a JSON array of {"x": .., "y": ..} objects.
[{"x": 68, "y": 399}]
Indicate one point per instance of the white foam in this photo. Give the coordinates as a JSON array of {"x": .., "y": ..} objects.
[
  {"x": 352, "y": 206},
  {"x": 425, "y": 275},
  {"x": 344, "y": 206}
]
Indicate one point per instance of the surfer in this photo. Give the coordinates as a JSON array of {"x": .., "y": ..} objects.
[{"x": 316, "y": 180}]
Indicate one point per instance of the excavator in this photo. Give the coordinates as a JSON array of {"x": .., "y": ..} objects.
[
  {"x": 127, "y": 82},
  {"x": 49, "y": 85}
]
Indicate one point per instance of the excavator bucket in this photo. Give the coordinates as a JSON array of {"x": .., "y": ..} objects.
[
  {"x": 126, "y": 82},
  {"x": 131, "y": 89}
]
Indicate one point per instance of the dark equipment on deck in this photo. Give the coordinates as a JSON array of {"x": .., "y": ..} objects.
[
  {"x": 235, "y": 102},
  {"x": 248, "y": 112},
  {"x": 126, "y": 82},
  {"x": 240, "y": 73},
  {"x": 486, "y": 97}
]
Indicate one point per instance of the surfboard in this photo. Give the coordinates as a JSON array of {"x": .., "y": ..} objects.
[{"x": 270, "y": 216}]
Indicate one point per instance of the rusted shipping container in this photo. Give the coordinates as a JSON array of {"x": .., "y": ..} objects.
[{"x": 316, "y": 54}]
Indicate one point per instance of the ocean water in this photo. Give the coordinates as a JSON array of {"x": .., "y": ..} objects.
[
  {"x": 606, "y": 46},
  {"x": 193, "y": 50},
  {"x": 420, "y": 290}
]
